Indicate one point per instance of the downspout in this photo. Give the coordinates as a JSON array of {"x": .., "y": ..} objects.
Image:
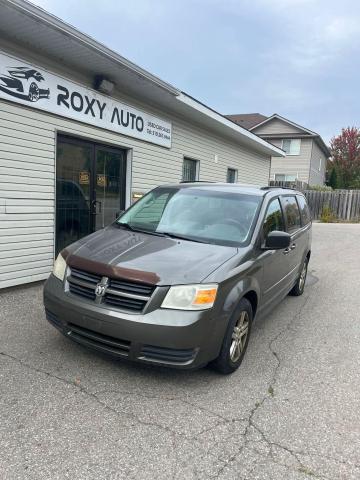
[
  {"x": 312, "y": 146},
  {"x": 269, "y": 170}
]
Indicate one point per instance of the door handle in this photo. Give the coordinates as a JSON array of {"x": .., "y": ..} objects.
[
  {"x": 93, "y": 204},
  {"x": 289, "y": 249}
]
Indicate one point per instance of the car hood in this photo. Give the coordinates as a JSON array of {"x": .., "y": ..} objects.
[{"x": 119, "y": 253}]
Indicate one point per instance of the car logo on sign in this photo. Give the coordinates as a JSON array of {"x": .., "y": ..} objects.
[
  {"x": 24, "y": 83},
  {"x": 100, "y": 290}
]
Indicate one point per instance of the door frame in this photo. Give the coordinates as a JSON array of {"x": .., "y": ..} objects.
[
  {"x": 95, "y": 146},
  {"x": 123, "y": 171},
  {"x": 268, "y": 298}
]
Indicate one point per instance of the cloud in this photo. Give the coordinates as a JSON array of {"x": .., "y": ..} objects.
[
  {"x": 341, "y": 30},
  {"x": 294, "y": 57}
]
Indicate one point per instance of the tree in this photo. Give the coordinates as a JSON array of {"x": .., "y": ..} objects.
[
  {"x": 333, "y": 179},
  {"x": 345, "y": 151}
]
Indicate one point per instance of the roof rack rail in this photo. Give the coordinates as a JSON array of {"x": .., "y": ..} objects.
[
  {"x": 195, "y": 181},
  {"x": 270, "y": 187}
]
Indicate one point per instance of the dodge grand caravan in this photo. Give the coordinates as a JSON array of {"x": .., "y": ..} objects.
[{"x": 179, "y": 277}]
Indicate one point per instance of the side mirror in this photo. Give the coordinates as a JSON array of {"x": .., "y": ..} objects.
[{"x": 277, "y": 240}]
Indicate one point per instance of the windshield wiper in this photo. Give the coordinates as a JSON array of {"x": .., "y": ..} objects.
[
  {"x": 130, "y": 227},
  {"x": 159, "y": 234},
  {"x": 127, "y": 226},
  {"x": 180, "y": 237}
]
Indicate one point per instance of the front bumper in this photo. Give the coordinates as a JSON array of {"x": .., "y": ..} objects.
[{"x": 180, "y": 339}]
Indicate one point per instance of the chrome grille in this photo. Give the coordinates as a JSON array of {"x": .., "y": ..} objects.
[
  {"x": 138, "y": 288},
  {"x": 86, "y": 276},
  {"x": 82, "y": 291},
  {"x": 126, "y": 303},
  {"x": 123, "y": 294}
]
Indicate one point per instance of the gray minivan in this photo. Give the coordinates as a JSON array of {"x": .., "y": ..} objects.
[{"x": 179, "y": 277}]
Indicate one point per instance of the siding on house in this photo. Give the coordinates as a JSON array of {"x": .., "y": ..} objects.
[
  {"x": 27, "y": 176},
  {"x": 276, "y": 126},
  {"x": 298, "y": 165},
  {"x": 317, "y": 169}
]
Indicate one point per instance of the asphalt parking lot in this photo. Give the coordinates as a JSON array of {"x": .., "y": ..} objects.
[{"x": 290, "y": 412}]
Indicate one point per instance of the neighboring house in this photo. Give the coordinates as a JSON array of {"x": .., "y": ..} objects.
[{"x": 306, "y": 152}]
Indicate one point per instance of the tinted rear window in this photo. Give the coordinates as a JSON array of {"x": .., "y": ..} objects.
[
  {"x": 292, "y": 214},
  {"x": 273, "y": 218},
  {"x": 304, "y": 210}
]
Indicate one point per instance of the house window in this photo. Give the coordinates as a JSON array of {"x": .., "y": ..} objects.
[
  {"x": 285, "y": 178},
  {"x": 320, "y": 161},
  {"x": 291, "y": 146},
  {"x": 231, "y": 176},
  {"x": 190, "y": 170}
]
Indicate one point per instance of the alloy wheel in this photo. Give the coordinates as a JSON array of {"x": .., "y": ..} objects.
[
  {"x": 239, "y": 336},
  {"x": 302, "y": 278}
]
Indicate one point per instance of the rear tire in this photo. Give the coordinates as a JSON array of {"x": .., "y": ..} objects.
[
  {"x": 236, "y": 339},
  {"x": 298, "y": 288}
]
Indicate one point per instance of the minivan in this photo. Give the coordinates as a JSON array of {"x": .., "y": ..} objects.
[{"x": 178, "y": 279}]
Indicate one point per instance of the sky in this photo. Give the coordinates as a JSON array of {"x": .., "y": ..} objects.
[{"x": 297, "y": 58}]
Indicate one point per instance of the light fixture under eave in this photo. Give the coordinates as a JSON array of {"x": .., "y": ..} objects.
[{"x": 103, "y": 85}]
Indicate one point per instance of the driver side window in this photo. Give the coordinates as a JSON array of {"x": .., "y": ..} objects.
[{"x": 274, "y": 219}]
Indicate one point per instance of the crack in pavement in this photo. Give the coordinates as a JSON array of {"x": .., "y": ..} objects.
[
  {"x": 88, "y": 394},
  {"x": 174, "y": 434},
  {"x": 268, "y": 395},
  {"x": 277, "y": 336},
  {"x": 296, "y": 454},
  {"x": 170, "y": 398},
  {"x": 248, "y": 419},
  {"x": 302, "y": 468}
]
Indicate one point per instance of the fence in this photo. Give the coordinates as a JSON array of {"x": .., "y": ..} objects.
[{"x": 343, "y": 204}]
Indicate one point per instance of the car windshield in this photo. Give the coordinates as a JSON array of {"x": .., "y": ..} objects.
[{"x": 200, "y": 215}]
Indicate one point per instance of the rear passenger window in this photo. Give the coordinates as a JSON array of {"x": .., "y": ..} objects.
[
  {"x": 292, "y": 214},
  {"x": 274, "y": 218},
  {"x": 304, "y": 210}
]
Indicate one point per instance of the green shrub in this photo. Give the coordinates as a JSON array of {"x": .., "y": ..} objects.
[
  {"x": 320, "y": 188},
  {"x": 327, "y": 216}
]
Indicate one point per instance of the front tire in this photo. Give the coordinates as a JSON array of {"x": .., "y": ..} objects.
[
  {"x": 298, "y": 288},
  {"x": 236, "y": 339}
]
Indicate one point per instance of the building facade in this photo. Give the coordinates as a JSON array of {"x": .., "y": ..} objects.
[
  {"x": 84, "y": 133},
  {"x": 306, "y": 152}
]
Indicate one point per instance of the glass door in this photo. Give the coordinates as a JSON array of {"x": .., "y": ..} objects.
[
  {"x": 90, "y": 188},
  {"x": 110, "y": 177},
  {"x": 73, "y": 191}
]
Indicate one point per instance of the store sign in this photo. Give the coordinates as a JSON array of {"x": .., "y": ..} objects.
[{"x": 35, "y": 87}]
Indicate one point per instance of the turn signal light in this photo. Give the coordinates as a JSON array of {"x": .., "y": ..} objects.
[{"x": 205, "y": 297}]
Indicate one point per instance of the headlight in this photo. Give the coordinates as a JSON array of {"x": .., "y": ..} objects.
[
  {"x": 190, "y": 297},
  {"x": 59, "y": 267}
]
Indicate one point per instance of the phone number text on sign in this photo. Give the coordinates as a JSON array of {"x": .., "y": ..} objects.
[{"x": 158, "y": 130}]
